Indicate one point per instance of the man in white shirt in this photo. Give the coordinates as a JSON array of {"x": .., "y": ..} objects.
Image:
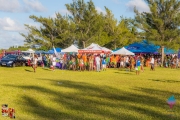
[
  {"x": 152, "y": 63},
  {"x": 98, "y": 61}
]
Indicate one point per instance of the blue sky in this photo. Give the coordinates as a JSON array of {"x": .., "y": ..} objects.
[{"x": 15, "y": 13}]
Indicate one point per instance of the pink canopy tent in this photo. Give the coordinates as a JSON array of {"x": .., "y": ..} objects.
[{"x": 95, "y": 48}]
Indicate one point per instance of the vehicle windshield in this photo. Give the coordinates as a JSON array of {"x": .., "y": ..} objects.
[
  {"x": 11, "y": 57},
  {"x": 26, "y": 54}
]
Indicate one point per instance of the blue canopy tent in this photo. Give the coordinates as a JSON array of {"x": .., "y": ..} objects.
[
  {"x": 146, "y": 47},
  {"x": 52, "y": 51},
  {"x": 142, "y": 47},
  {"x": 57, "y": 49}
]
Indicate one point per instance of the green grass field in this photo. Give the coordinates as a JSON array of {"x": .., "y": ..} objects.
[{"x": 110, "y": 95}]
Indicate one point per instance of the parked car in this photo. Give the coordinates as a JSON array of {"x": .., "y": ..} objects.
[{"x": 13, "y": 61}]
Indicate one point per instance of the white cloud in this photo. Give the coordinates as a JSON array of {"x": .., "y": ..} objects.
[
  {"x": 8, "y": 39},
  {"x": 34, "y": 5},
  {"x": 100, "y": 10},
  {"x": 140, "y": 5},
  {"x": 9, "y": 33},
  {"x": 25, "y": 6},
  {"x": 8, "y": 24},
  {"x": 9, "y": 5}
]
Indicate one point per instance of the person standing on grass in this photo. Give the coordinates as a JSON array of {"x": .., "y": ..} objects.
[
  {"x": 53, "y": 62},
  {"x": 130, "y": 63},
  {"x": 64, "y": 66},
  {"x": 142, "y": 63},
  {"x": 34, "y": 62},
  {"x": 104, "y": 64},
  {"x": 44, "y": 59},
  {"x": 91, "y": 63},
  {"x": 94, "y": 61},
  {"x": 98, "y": 60},
  {"x": 122, "y": 62},
  {"x": 108, "y": 61},
  {"x": 81, "y": 64},
  {"x": 138, "y": 66},
  {"x": 127, "y": 63},
  {"x": 74, "y": 63},
  {"x": 70, "y": 64},
  {"x": 84, "y": 57},
  {"x": 152, "y": 63}
]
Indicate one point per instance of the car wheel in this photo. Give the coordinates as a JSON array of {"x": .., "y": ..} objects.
[{"x": 13, "y": 65}]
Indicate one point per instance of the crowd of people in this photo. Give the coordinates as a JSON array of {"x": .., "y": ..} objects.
[{"x": 100, "y": 62}]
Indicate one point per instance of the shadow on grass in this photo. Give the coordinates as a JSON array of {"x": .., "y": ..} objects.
[
  {"x": 127, "y": 73},
  {"x": 28, "y": 70},
  {"x": 48, "y": 69},
  {"x": 167, "y": 81},
  {"x": 95, "y": 102}
]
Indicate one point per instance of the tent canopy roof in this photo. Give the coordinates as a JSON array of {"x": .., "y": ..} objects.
[
  {"x": 71, "y": 48},
  {"x": 142, "y": 47},
  {"x": 95, "y": 48},
  {"x": 29, "y": 51},
  {"x": 123, "y": 51},
  {"x": 146, "y": 47}
]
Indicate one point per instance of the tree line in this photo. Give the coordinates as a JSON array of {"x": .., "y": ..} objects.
[
  {"x": 82, "y": 26},
  {"x": 85, "y": 25}
]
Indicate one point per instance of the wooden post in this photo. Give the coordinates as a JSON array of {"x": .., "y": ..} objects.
[{"x": 84, "y": 45}]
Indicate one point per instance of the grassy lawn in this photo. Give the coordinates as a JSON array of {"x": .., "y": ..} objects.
[{"x": 110, "y": 95}]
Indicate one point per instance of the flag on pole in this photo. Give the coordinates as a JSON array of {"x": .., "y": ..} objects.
[{"x": 56, "y": 53}]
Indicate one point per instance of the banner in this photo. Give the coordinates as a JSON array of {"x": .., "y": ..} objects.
[
  {"x": 93, "y": 51},
  {"x": 90, "y": 51}
]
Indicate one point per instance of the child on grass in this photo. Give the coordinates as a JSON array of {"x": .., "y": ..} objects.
[{"x": 138, "y": 66}]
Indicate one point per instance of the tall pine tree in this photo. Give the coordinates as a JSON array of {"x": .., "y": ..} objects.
[
  {"x": 56, "y": 31},
  {"x": 120, "y": 33},
  {"x": 162, "y": 24},
  {"x": 86, "y": 19}
]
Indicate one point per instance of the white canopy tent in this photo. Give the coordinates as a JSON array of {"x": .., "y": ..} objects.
[
  {"x": 106, "y": 49},
  {"x": 29, "y": 51},
  {"x": 95, "y": 48},
  {"x": 71, "y": 48},
  {"x": 123, "y": 51}
]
